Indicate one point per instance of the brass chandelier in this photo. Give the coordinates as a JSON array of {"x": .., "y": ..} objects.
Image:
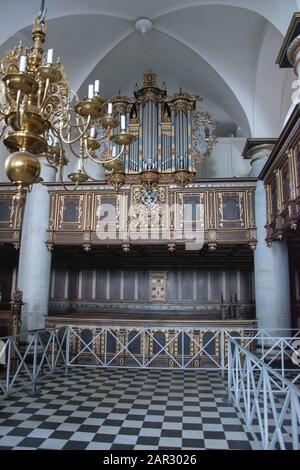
[{"x": 39, "y": 113}]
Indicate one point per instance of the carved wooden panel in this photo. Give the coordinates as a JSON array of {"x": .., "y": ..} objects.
[
  {"x": 285, "y": 181},
  {"x": 10, "y": 219},
  {"x": 158, "y": 287},
  {"x": 109, "y": 213},
  {"x": 190, "y": 215},
  {"x": 71, "y": 212},
  {"x": 297, "y": 169},
  {"x": 231, "y": 209},
  {"x": 208, "y": 214}
]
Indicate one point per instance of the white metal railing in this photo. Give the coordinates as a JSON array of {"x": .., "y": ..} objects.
[
  {"x": 280, "y": 353},
  {"x": 24, "y": 360},
  {"x": 161, "y": 348},
  {"x": 198, "y": 348},
  {"x": 268, "y": 402},
  {"x": 178, "y": 347}
]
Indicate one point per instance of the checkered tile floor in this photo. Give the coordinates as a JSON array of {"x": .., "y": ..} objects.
[{"x": 124, "y": 409}]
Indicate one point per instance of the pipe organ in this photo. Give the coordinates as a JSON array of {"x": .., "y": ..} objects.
[{"x": 172, "y": 135}]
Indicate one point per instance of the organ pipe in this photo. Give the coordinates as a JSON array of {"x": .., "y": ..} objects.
[{"x": 167, "y": 132}]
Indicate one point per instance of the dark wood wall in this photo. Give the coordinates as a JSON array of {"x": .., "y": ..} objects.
[
  {"x": 183, "y": 285},
  {"x": 8, "y": 273}
]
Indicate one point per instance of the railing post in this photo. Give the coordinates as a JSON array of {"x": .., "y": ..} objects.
[
  {"x": 229, "y": 367},
  {"x": 105, "y": 347},
  {"x": 237, "y": 362},
  {"x": 222, "y": 347},
  {"x": 144, "y": 347},
  {"x": 266, "y": 418},
  {"x": 282, "y": 360},
  {"x": 8, "y": 365},
  {"x": 34, "y": 367},
  {"x": 67, "y": 355},
  {"x": 294, "y": 421},
  {"x": 182, "y": 348},
  {"x": 53, "y": 334}
]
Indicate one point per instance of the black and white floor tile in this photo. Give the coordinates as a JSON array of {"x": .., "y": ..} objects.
[{"x": 124, "y": 409}]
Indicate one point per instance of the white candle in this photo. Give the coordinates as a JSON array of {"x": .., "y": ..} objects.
[
  {"x": 80, "y": 165},
  {"x": 50, "y": 56},
  {"x": 93, "y": 132},
  {"x": 91, "y": 92},
  {"x": 23, "y": 63},
  {"x": 123, "y": 123},
  {"x": 114, "y": 151},
  {"x": 97, "y": 86},
  {"x": 109, "y": 108}
]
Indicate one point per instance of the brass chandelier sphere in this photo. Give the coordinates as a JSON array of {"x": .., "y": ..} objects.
[{"x": 23, "y": 167}]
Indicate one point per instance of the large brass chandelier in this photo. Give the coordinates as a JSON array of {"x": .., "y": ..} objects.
[{"x": 39, "y": 113}]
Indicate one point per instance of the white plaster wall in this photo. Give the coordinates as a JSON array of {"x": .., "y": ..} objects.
[
  {"x": 272, "y": 95},
  {"x": 3, "y": 154},
  {"x": 225, "y": 160}
]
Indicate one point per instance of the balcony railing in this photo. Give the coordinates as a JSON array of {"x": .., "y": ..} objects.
[{"x": 268, "y": 402}]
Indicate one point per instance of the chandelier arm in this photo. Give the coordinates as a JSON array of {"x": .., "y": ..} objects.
[
  {"x": 47, "y": 102},
  {"x": 106, "y": 136},
  {"x": 3, "y": 130},
  {"x": 73, "y": 141},
  {"x": 73, "y": 152},
  {"x": 45, "y": 94},
  {"x": 93, "y": 156},
  {"x": 50, "y": 159},
  {"x": 62, "y": 181},
  {"x": 18, "y": 108},
  {"x": 8, "y": 98},
  {"x": 75, "y": 95},
  {"x": 89, "y": 176}
]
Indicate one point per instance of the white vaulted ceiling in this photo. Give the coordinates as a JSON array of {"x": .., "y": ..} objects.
[{"x": 223, "y": 50}]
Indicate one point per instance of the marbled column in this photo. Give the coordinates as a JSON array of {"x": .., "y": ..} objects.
[
  {"x": 35, "y": 260},
  {"x": 271, "y": 265}
]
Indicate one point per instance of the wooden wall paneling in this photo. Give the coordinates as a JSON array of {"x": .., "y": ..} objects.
[
  {"x": 232, "y": 285},
  {"x": 129, "y": 285},
  {"x": 115, "y": 285},
  {"x": 187, "y": 285},
  {"x": 59, "y": 284},
  {"x": 216, "y": 286},
  {"x": 246, "y": 286},
  {"x": 101, "y": 284},
  {"x": 87, "y": 284},
  {"x": 73, "y": 284},
  {"x": 172, "y": 285},
  {"x": 202, "y": 285},
  {"x": 143, "y": 285}
]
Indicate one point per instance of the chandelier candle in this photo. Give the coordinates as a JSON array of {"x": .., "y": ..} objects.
[
  {"x": 97, "y": 87},
  {"x": 123, "y": 123},
  {"x": 50, "y": 56},
  {"x": 109, "y": 108},
  {"x": 80, "y": 165},
  {"x": 91, "y": 92},
  {"x": 23, "y": 63}
]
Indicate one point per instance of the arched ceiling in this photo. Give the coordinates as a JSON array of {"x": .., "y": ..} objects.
[{"x": 223, "y": 50}]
